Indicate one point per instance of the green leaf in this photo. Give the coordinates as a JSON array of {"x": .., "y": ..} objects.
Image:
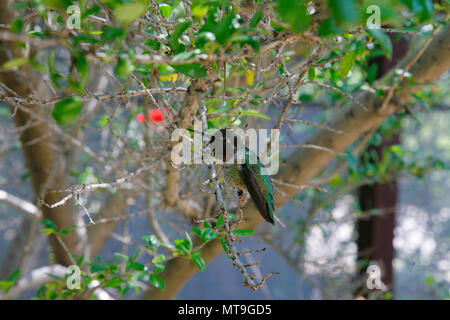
[
  {"x": 345, "y": 11},
  {"x": 82, "y": 67},
  {"x": 121, "y": 256},
  {"x": 328, "y": 28},
  {"x": 14, "y": 276},
  {"x": 254, "y": 113},
  {"x": 294, "y": 13},
  {"x": 158, "y": 268},
  {"x": 63, "y": 233},
  {"x": 196, "y": 231},
  {"x": 114, "y": 282},
  {"x": 165, "y": 10},
  {"x": 219, "y": 221},
  {"x": 224, "y": 28},
  {"x": 132, "y": 265},
  {"x": 336, "y": 181},
  {"x": 57, "y": 4},
  {"x": 182, "y": 245},
  {"x": 207, "y": 235},
  {"x": 155, "y": 45},
  {"x": 246, "y": 39},
  {"x": 422, "y": 9},
  {"x": 151, "y": 240},
  {"x": 129, "y": 12},
  {"x": 311, "y": 73},
  {"x": 174, "y": 44},
  {"x": 49, "y": 224},
  {"x": 243, "y": 232},
  {"x": 157, "y": 281},
  {"x": 66, "y": 111},
  {"x": 198, "y": 260},
  {"x": 199, "y": 9},
  {"x": 223, "y": 242},
  {"x": 16, "y": 62},
  {"x": 17, "y": 25},
  {"x": 347, "y": 63},
  {"x": 124, "y": 68},
  {"x": 383, "y": 40},
  {"x": 256, "y": 19},
  {"x": 159, "y": 259},
  {"x": 429, "y": 280},
  {"x": 109, "y": 34},
  {"x": 47, "y": 231},
  {"x": 372, "y": 73},
  {"x": 193, "y": 70}
]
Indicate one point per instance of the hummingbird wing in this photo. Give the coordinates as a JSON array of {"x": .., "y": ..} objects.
[{"x": 261, "y": 190}]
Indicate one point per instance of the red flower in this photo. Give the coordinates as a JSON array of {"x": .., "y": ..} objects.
[
  {"x": 140, "y": 118},
  {"x": 156, "y": 115}
]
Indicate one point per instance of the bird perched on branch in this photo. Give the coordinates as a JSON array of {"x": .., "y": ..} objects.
[{"x": 246, "y": 177}]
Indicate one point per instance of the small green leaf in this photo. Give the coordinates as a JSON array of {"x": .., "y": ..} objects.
[
  {"x": 336, "y": 181},
  {"x": 121, "y": 256},
  {"x": 383, "y": 41},
  {"x": 293, "y": 12},
  {"x": 49, "y": 224},
  {"x": 129, "y": 12},
  {"x": 66, "y": 110},
  {"x": 157, "y": 281},
  {"x": 347, "y": 63},
  {"x": 16, "y": 62},
  {"x": 175, "y": 45},
  {"x": 311, "y": 73},
  {"x": 328, "y": 27},
  {"x": 114, "y": 282},
  {"x": 124, "y": 68},
  {"x": 82, "y": 67},
  {"x": 429, "y": 280},
  {"x": 132, "y": 265},
  {"x": 14, "y": 276},
  {"x": 256, "y": 19},
  {"x": 151, "y": 240},
  {"x": 57, "y": 4},
  {"x": 158, "y": 268},
  {"x": 159, "y": 259},
  {"x": 198, "y": 260},
  {"x": 243, "y": 232},
  {"x": 193, "y": 70},
  {"x": 17, "y": 25},
  {"x": 165, "y": 10},
  {"x": 219, "y": 221},
  {"x": 196, "y": 231},
  {"x": 47, "y": 231},
  {"x": 247, "y": 39},
  {"x": 110, "y": 34},
  {"x": 63, "y": 233},
  {"x": 372, "y": 73},
  {"x": 345, "y": 11},
  {"x": 254, "y": 113},
  {"x": 155, "y": 45},
  {"x": 207, "y": 235}
]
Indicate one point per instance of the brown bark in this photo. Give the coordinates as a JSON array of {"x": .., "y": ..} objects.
[
  {"x": 304, "y": 164},
  {"x": 44, "y": 162}
]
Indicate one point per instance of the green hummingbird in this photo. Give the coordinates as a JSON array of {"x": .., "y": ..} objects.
[{"x": 247, "y": 177}]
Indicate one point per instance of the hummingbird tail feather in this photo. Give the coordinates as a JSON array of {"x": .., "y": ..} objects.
[{"x": 265, "y": 205}]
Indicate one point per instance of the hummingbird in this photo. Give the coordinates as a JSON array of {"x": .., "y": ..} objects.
[{"x": 246, "y": 177}]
